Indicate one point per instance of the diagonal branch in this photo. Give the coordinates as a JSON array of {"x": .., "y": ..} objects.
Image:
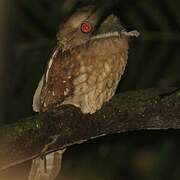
[{"x": 64, "y": 126}]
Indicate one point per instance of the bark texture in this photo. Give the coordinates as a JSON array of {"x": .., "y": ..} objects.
[{"x": 63, "y": 126}]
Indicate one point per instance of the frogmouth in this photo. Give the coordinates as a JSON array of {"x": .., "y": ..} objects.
[{"x": 84, "y": 70}]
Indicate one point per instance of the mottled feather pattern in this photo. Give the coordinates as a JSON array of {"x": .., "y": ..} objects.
[
  {"x": 86, "y": 76},
  {"x": 84, "y": 71},
  {"x": 58, "y": 82}
]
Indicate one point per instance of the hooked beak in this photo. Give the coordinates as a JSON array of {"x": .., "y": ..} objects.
[{"x": 111, "y": 26}]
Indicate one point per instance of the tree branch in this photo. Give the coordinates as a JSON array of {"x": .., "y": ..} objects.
[{"x": 66, "y": 125}]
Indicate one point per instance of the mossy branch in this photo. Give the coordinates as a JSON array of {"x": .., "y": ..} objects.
[{"x": 66, "y": 125}]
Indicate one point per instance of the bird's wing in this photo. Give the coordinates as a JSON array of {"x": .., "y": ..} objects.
[
  {"x": 36, "y": 97},
  {"x": 57, "y": 82}
]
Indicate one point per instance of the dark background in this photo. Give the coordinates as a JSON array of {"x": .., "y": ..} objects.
[{"x": 27, "y": 38}]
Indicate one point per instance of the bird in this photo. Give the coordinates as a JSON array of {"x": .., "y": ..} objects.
[{"x": 86, "y": 66}]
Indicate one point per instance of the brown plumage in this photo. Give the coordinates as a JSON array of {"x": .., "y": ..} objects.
[
  {"x": 85, "y": 77},
  {"x": 85, "y": 68}
]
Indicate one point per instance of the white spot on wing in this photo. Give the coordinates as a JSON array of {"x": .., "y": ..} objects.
[{"x": 66, "y": 91}]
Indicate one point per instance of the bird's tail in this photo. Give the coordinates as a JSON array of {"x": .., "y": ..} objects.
[{"x": 46, "y": 169}]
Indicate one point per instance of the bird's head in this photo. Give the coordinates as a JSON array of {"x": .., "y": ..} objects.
[{"x": 87, "y": 24}]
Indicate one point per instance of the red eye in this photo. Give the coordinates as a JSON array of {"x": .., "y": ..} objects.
[{"x": 86, "y": 27}]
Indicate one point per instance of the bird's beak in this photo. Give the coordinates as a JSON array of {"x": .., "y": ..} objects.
[{"x": 111, "y": 26}]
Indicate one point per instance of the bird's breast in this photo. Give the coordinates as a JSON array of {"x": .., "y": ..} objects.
[
  {"x": 101, "y": 65},
  {"x": 85, "y": 77}
]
